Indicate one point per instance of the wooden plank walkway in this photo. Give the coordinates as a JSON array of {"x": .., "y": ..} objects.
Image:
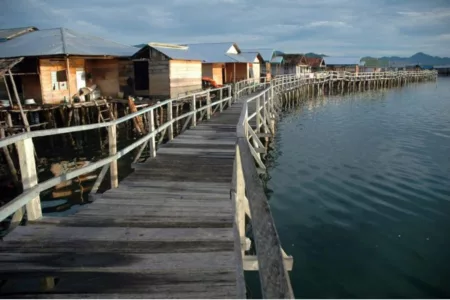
[{"x": 166, "y": 232}]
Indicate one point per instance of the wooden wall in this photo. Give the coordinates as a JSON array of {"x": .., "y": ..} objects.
[
  {"x": 126, "y": 70},
  {"x": 105, "y": 74},
  {"x": 159, "y": 85},
  {"x": 49, "y": 65},
  {"x": 185, "y": 77},
  {"x": 217, "y": 73},
  {"x": 31, "y": 87},
  {"x": 207, "y": 70},
  {"x": 241, "y": 72}
]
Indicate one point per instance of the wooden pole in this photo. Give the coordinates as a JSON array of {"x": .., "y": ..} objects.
[
  {"x": 9, "y": 93},
  {"x": 113, "y": 170},
  {"x": 68, "y": 79},
  {"x": 25, "y": 150},
  {"x": 24, "y": 117},
  {"x": 9, "y": 160}
]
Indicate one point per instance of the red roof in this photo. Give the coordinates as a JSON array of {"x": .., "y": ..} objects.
[{"x": 314, "y": 61}]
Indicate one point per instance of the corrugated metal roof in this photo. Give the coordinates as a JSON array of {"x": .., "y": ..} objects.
[
  {"x": 182, "y": 54},
  {"x": 7, "y": 63},
  {"x": 251, "y": 56},
  {"x": 314, "y": 61},
  {"x": 206, "y": 52},
  {"x": 266, "y": 53},
  {"x": 343, "y": 61},
  {"x": 62, "y": 41},
  {"x": 277, "y": 60},
  {"x": 215, "y": 52},
  {"x": 9, "y": 33}
]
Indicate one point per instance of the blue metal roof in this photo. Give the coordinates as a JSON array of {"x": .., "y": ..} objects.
[
  {"x": 266, "y": 53},
  {"x": 249, "y": 56},
  {"x": 342, "y": 61},
  {"x": 215, "y": 52},
  {"x": 62, "y": 41},
  {"x": 277, "y": 60},
  {"x": 206, "y": 52},
  {"x": 181, "y": 54}
]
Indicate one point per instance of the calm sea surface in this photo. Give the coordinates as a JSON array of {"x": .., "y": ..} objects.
[{"x": 360, "y": 192}]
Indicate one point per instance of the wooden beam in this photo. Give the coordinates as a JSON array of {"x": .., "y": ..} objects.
[
  {"x": 68, "y": 79},
  {"x": 275, "y": 282},
  {"x": 25, "y": 150},
  {"x": 24, "y": 116}
]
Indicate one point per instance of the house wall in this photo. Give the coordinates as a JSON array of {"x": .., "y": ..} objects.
[
  {"x": 241, "y": 71},
  {"x": 49, "y": 65},
  {"x": 126, "y": 70},
  {"x": 342, "y": 68},
  {"x": 159, "y": 80},
  {"x": 105, "y": 74},
  {"x": 207, "y": 70},
  {"x": 217, "y": 73},
  {"x": 256, "y": 70},
  {"x": 185, "y": 77}
]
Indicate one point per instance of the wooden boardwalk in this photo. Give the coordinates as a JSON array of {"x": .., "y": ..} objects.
[{"x": 165, "y": 232}]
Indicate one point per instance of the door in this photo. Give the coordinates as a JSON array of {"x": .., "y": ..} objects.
[{"x": 81, "y": 79}]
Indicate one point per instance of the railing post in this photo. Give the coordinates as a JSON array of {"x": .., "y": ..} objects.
[
  {"x": 221, "y": 98},
  {"x": 152, "y": 139},
  {"x": 25, "y": 151},
  {"x": 208, "y": 105},
  {"x": 112, "y": 142},
  {"x": 169, "y": 119},
  {"x": 193, "y": 108},
  {"x": 258, "y": 113},
  {"x": 240, "y": 198},
  {"x": 229, "y": 95}
]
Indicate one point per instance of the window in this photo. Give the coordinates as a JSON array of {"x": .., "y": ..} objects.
[{"x": 59, "y": 80}]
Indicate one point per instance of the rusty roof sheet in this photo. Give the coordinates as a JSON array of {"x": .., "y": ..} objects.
[
  {"x": 314, "y": 61},
  {"x": 295, "y": 59},
  {"x": 7, "y": 63}
]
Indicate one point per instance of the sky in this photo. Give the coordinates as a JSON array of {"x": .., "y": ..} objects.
[{"x": 332, "y": 27}]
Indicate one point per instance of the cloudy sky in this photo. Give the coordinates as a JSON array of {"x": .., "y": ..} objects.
[{"x": 332, "y": 27}]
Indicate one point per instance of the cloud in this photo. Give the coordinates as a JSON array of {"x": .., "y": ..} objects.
[{"x": 333, "y": 27}]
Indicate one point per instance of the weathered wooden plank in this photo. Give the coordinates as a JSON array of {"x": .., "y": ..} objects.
[
  {"x": 115, "y": 262},
  {"x": 142, "y": 222},
  {"x": 210, "y": 284},
  {"x": 41, "y": 232},
  {"x": 275, "y": 282}
]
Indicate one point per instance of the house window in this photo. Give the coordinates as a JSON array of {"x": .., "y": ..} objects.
[{"x": 59, "y": 80}]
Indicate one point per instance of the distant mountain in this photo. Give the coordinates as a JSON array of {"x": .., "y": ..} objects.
[
  {"x": 140, "y": 45},
  {"x": 419, "y": 58},
  {"x": 312, "y": 54}
]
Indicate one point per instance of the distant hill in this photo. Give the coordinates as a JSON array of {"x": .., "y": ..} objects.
[
  {"x": 419, "y": 58},
  {"x": 140, "y": 45},
  {"x": 311, "y": 54}
]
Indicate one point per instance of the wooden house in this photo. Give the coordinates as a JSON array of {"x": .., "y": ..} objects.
[
  {"x": 315, "y": 63},
  {"x": 57, "y": 63},
  {"x": 347, "y": 64},
  {"x": 165, "y": 71},
  {"x": 272, "y": 61},
  {"x": 295, "y": 64},
  {"x": 225, "y": 62}
]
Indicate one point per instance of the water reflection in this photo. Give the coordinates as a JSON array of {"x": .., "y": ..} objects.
[{"x": 359, "y": 191}]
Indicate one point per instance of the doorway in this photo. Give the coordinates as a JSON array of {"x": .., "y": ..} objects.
[{"x": 141, "y": 78}]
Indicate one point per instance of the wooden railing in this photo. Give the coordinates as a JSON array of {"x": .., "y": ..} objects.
[
  {"x": 249, "y": 197},
  {"x": 30, "y": 199}
]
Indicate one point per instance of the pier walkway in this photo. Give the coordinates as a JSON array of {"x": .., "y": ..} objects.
[{"x": 166, "y": 231}]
